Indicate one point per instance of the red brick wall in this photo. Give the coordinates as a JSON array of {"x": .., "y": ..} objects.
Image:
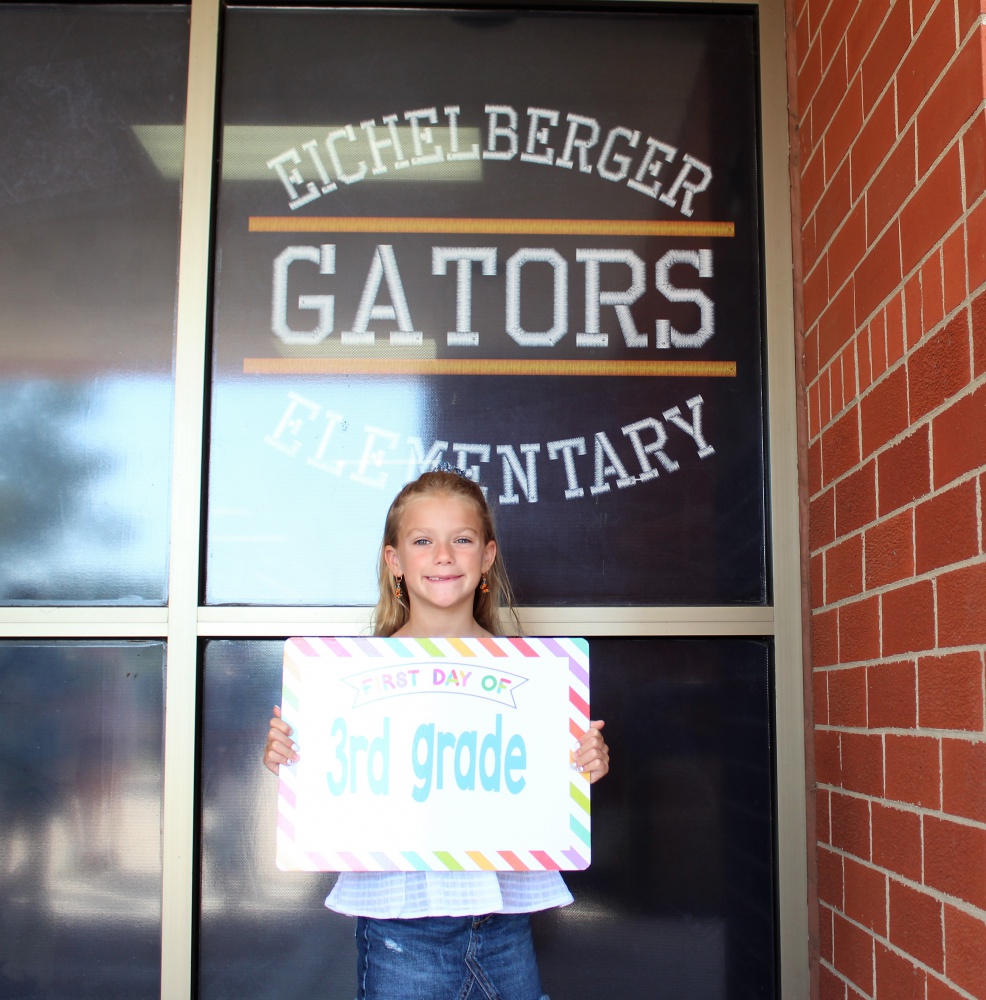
[{"x": 892, "y": 145}]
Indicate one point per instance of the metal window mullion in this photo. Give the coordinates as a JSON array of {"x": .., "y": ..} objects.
[
  {"x": 178, "y": 840},
  {"x": 83, "y": 622},
  {"x": 273, "y": 622},
  {"x": 789, "y": 705}
]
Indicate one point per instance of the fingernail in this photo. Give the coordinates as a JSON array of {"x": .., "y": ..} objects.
[{"x": 294, "y": 747}]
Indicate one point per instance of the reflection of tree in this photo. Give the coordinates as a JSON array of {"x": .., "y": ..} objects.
[
  {"x": 80, "y": 814},
  {"x": 47, "y": 472}
]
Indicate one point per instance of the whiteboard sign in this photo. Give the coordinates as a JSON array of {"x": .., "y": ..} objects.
[{"x": 434, "y": 755}]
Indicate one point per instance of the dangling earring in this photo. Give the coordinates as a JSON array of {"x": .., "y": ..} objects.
[
  {"x": 398, "y": 584},
  {"x": 483, "y": 587}
]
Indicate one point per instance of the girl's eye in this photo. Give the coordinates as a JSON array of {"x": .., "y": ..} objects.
[
  {"x": 420, "y": 541},
  {"x": 463, "y": 541}
]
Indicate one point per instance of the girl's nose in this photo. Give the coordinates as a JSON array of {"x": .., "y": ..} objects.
[{"x": 443, "y": 553}]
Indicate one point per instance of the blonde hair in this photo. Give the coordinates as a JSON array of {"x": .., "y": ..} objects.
[{"x": 391, "y": 613}]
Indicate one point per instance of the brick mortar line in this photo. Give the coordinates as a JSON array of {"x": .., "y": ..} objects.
[
  {"x": 974, "y": 384},
  {"x": 856, "y": 989},
  {"x": 854, "y": 340},
  {"x": 967, "y": 211},
  {"x": 873, "y": 240},
  {"x": 900, "y": 806},
  {"x": 961, "y": 224},
  {"x": 902, "y": 658},
  {"x": 968, "y": 909},
  {"x": 824, "y": 67},
  {"x": 972, "y": 476},
  {"x": 901, "y": 128},
  {"x": 974, "y": 736},
  {"x": 929, "y": 575},
  {"x": 852, "y": 988},
  {"x": 816, "y": 36},
  {"x": 935, "y": 651},
  {"x": 901, "y": 132},
  {"x": 971, "y": 738},
  {"x": 896, "y": 512},
  {"x": 975, "y": 913},
  {"x": 942, "y": 977},
  {"x": 941, "y": 736},
  {"x": 926, "y": 336},
  {"x": 962, "y": 735}
]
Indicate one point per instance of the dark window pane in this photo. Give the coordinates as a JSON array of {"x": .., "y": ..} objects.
[
  {"x": 92, "y": 106},
  {"x": 81, "y": 744},
  {"x": 568, "y": 303},
  {"x": 681, "y": 887}
]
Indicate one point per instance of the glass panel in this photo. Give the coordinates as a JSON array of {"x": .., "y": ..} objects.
[
  {"x": 81, "y": 748},
  {"x": 549, "y": 278},
  {"x": 92, "y": 104},
  {"x": 681, "y": 887}
]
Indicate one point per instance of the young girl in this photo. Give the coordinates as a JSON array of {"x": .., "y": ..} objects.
[{"x": 444, "y": 935}]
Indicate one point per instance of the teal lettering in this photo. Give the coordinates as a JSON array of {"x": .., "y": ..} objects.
[
  {"x": 356, "y": 744},
  {"x": 379, "y": 752},
  {"x": 347, "y": 756},
  {"x": 424, "y": 737},
  {"x": 430, "y": 752},
  {"x": 446, "y": 741},
  {"x": 491, "y": 745},
  {"x": 516, "y": 760},
  {"x": 465, "y": 776},
  {"x": 338, "y": 785}
]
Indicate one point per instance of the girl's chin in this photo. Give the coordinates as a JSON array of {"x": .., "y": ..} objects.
[{"x": 447, "y": 596}]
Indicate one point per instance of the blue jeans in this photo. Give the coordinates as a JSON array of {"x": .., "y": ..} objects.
[{"x": 447, "y": 958}]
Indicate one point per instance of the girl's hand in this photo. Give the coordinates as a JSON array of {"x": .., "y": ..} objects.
[
  {"x": 279, "y": 749},
  {"x": 592, "y": 756}
]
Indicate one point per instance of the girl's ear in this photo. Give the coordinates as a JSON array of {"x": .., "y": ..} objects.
[
  {"x": 489, "y": 556},
  {"x": 393, "y": 560}
]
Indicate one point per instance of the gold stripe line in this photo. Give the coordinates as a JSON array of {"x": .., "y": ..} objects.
[
  {"x": 502, "y": 366},
  {"x": 520, "y": 227}
]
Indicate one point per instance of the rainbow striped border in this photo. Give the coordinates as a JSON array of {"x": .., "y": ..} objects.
[{"x": 568, "y": 857}]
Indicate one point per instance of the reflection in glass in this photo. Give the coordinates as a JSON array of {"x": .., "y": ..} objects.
[
  {"x": 81, "y": 745},
  {"x": 88, "y": 263},
  {"x": 283, "y": 537},
  {"x": 262, "y": 932},
  {"x": 681, "y": 887}
]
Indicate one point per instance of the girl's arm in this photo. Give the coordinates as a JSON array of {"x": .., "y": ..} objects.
[
  {"x": 592, "y": 756},
  {"x": 280, "y": 749}
]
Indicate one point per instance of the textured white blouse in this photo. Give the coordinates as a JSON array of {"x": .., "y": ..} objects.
[{"x": 446, "y": 894}]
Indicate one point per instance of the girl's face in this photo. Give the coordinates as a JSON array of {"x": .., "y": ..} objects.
[{"x": 441, "y": 552}]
